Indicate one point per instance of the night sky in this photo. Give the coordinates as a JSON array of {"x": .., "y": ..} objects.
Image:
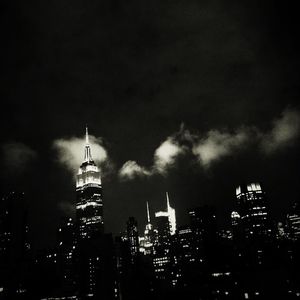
[{"x": 194, "y": 97}]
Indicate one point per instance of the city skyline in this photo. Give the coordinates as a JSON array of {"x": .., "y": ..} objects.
[
  {"x": 149, "y": 150},
  {"x": 88, "y": 263},
  {"x": 215, "y": 86},
  {"x": 87, "y": 143}
]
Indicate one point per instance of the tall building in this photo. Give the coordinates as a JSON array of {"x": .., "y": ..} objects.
[
  {"x": 89, "y": 205},
  {"x": 163, "y": 259},
  {"x": 163, "y": 229},
  {"x": 94, "y": 254},
  {"x": 253, "y": 210},
  {"x": 133, "y": 237},
  {"x": 170, "y": 214},
  {"x": 204, "y": 233},
  {"x": 147, "y": 241},
  {"x": 66, "y": 248},
  {"x": 235, "y": 225},
  {"x": 203, "y": 221},
  {"x": 149, "y": 234}
]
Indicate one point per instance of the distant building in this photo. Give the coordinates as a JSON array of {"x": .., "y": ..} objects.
[
  {"x": 293, "y": 222},
  {"x": 161, "y": 265},
  {"x": 163, "y": 228},
  {"x": 147, "y": 241},
  {"x": 133, "y": 237},
  {"x": 236, "y": 225},
  {"x": 203, "y": 222},
  {"x": 89, "y": 204},
  {"x": 281, "y": 233},
  {"x": 47, "y": 269},
  {"x": 184, "y": 259},
  {"x": 163, "y": 260},
  {"x": 203, "y": 225},
  {"x": 253, "y": 210},
  {"x": 235, "y": 218},
  {"x": 66, "y": 250},
  {"x": 170, "y": 214}
]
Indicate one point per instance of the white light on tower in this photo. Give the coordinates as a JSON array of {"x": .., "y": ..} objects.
[{"x": 171, "y": 215}]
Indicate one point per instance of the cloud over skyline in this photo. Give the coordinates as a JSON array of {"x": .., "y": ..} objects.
[
  {"x": 165, "y": 155},
  {"x": 71, "y": 151},
  {"x": 207, "y": 148},
  {"x": 284, "y": 132},
  {"x": 17, "y": 156},
  {"x": 216, "y": 144},
  {"x": 132, "y": 169}
]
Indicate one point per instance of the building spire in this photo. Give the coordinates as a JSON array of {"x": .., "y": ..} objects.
[
  {"x": 86, "y": 135},
  {"x": 168, "y": 201},
  {"x": 148, "y": 213},
  {"x": 171, "y": 215},
  {"x": 87, "y": 149}
]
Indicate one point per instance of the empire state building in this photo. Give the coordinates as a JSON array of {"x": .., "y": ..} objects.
[{"x": 89, "y": 204}]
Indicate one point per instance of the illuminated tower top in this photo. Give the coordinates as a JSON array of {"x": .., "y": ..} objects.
[
  {"x": 148, "y": 225},
  {"x": 87, "y": 150},
  {"x": 88, "y": 173},
  {"x": 148, "y": 234},
  {"x": 253, "y": 208},
  {"x": 148, "y": 213},
  {"x": 170, "y": 213},
  {"x": 89, "y": 204}
]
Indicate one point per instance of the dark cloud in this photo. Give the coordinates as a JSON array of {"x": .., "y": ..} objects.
[
  {"x": 17, "y": 157},
  {"x": 284, "y": 133}
]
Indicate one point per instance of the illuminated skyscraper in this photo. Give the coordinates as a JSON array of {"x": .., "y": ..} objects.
[
  {"x": 89, "y": 205},
  {"x": 170, "y": 214},
  {"x": 148, "y": 234},
  {"x": 162, "y": 259},
  {"x": 253, "y": 210}
]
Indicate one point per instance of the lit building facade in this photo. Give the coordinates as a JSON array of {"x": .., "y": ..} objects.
[
  {"x": 89, "y": 204},
  {"x": 163, "y": 258},
  {"x": 94, "y": 253},
  {"x": 133, "y": 237},
  {"x": 293, "y": 222},
  {"x": 253, "y": 211},
  {"x": 147, "y": 241},
  {"x": 170, "y": 214}
]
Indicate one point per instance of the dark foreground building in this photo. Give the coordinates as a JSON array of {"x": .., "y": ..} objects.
[{"x": 14, "y": 246}]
